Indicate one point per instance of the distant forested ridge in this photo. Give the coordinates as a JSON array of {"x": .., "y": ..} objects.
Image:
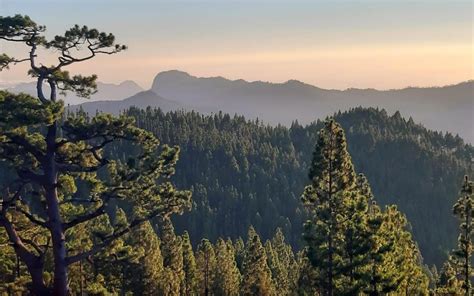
[{"x": 246, "y": 173}]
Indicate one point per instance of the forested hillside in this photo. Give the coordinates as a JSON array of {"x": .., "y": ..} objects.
[
  {"x": 89, "y": 203},
  {"x": 243, "y": 172}
]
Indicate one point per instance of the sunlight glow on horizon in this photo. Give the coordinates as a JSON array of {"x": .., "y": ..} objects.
[{"x": 361, "y": 44}]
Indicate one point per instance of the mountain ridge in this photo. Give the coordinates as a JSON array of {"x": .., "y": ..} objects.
[{"x": 281, "y": 103}]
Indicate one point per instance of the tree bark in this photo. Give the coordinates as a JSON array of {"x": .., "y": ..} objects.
[
  {"x": 33, "y": 263},
  {"x": 60, "y": 286}
]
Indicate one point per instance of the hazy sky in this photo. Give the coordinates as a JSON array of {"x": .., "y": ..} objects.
[{"x": 331, "y": 44}]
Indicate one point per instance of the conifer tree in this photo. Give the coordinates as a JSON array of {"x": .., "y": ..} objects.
[
  {"x": 373, "y": 244},
  {"x": 48, "y": 153},
  {"x": 206, "y": 265},
  {"x": 404, "y": 262},
  {"x": 357, "y": 237},
  {"x": 282, "y": 262},
  {"x": 308, "y": 283},
  {"x": 147, "y": 278},
  {"x": 190, "y": 283},
  {"x": 448, "y": 282},
  {"x": 172, "y": 252},
  {"x": 462, "y": 256},
  {"x": 227, "y": 275},
  {"x": 332, "y": 179},
  {"x": 379, "y": 276},
  {"x": 256, "y": 275}
]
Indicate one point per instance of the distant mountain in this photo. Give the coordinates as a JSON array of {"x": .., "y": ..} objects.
[
  {"x": 448, "y": 108},
  {"x": 105, "y": 91},
  {"x": 141, "y": 100}
]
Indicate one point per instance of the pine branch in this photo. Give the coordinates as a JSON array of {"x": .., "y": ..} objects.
[
  {"x": 108, "y": 240},
  {"x": 32, "y": 218}
]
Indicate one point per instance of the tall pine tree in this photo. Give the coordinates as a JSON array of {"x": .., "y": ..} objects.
[
  {"x": 332, "y": 179},
  {"x": 190, "y": 283},
  {"x": 171, "y": 249},
  {"x": 462, "y": 256},
  {"x": 206, "y": 265},
  {"x": 227, "y": 275},
  {"x": 256, "y": 275}
]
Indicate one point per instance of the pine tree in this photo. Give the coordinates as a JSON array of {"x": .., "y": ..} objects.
[
  {"x": 332, "y": 179},
  {"x": 462, "y": 256},
  {"x": 148, "y": 272},
  {"x": 357, "y": 237},
  {"x": 256, "y": 275},
  {"x": 379, "y": 276},
  {"x": 282, "y": 262},
  {"x": 373, "y": 244},
  {"x": 308, "y": 278},
  {"x": 172, "y": 252},
  {"x": 448, "y": 282},
  {"x": 47, "y": 153},
  {"x": 190, "y": 283},
  {"x": 403, "y": 263},
  {"x": 206, "y": 265},
  {"x": 227, "y": 275}
]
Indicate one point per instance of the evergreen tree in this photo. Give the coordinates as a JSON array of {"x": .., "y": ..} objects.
[
  {"x": 256, "y": 275},
  {"x": 379, "y": 277},
  {"x": 332, "y": 179},
  {"x": 357, "y": 237},
  {"x": 190, "y": 283},
  {"x": 462, "y": 256},
  {"x": 47, "y": 153},
  {"x": 147, "y": 277},
  {"x": 172, "y": 252},
  {"x": 227, "y": 275},
  {"x": 283, "y": 264},
  {"x": 206, "y": 265},
  {"x": 308, "y": 278},
  {"x": 448, "y": 282},
  {"x": 404, "y": 262}
]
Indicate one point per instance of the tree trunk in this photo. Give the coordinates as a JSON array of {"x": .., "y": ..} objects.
[
  {"x": 60, "y": 286},
  {"x": 55, "y": 223},
  {"x": 38, "y": 286}
]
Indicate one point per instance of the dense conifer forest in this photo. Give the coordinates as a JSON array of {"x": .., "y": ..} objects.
[
  {"x": 246, "y": 173},
  {"x": 153, "y": 203}
]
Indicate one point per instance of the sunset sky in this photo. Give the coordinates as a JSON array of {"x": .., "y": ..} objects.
[{"x": 331, "y": 44}]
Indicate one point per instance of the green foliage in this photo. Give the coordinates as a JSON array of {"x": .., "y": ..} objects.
[
  {"x": 61, "y": 175},
  {"x": 406, "y": 164},
  {"x": 227, "y": 275},
  {"x": 171, "y": 249},
  {"x": 327, "y": 197},
  {"x": 456, "y": 274},
  {"x": 206, "y": 264},
  {"x": 283, "y": 264},
  {"x": 352, "y": 246},
  {"x": 256, "y": 275},
  {"x": 448, "y": 283},
  {"x": 147, "y": 273},
  {"x": 190, "y": 283}
]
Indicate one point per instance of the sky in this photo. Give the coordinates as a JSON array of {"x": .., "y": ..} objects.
[{"x": 334, "y": 44}]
